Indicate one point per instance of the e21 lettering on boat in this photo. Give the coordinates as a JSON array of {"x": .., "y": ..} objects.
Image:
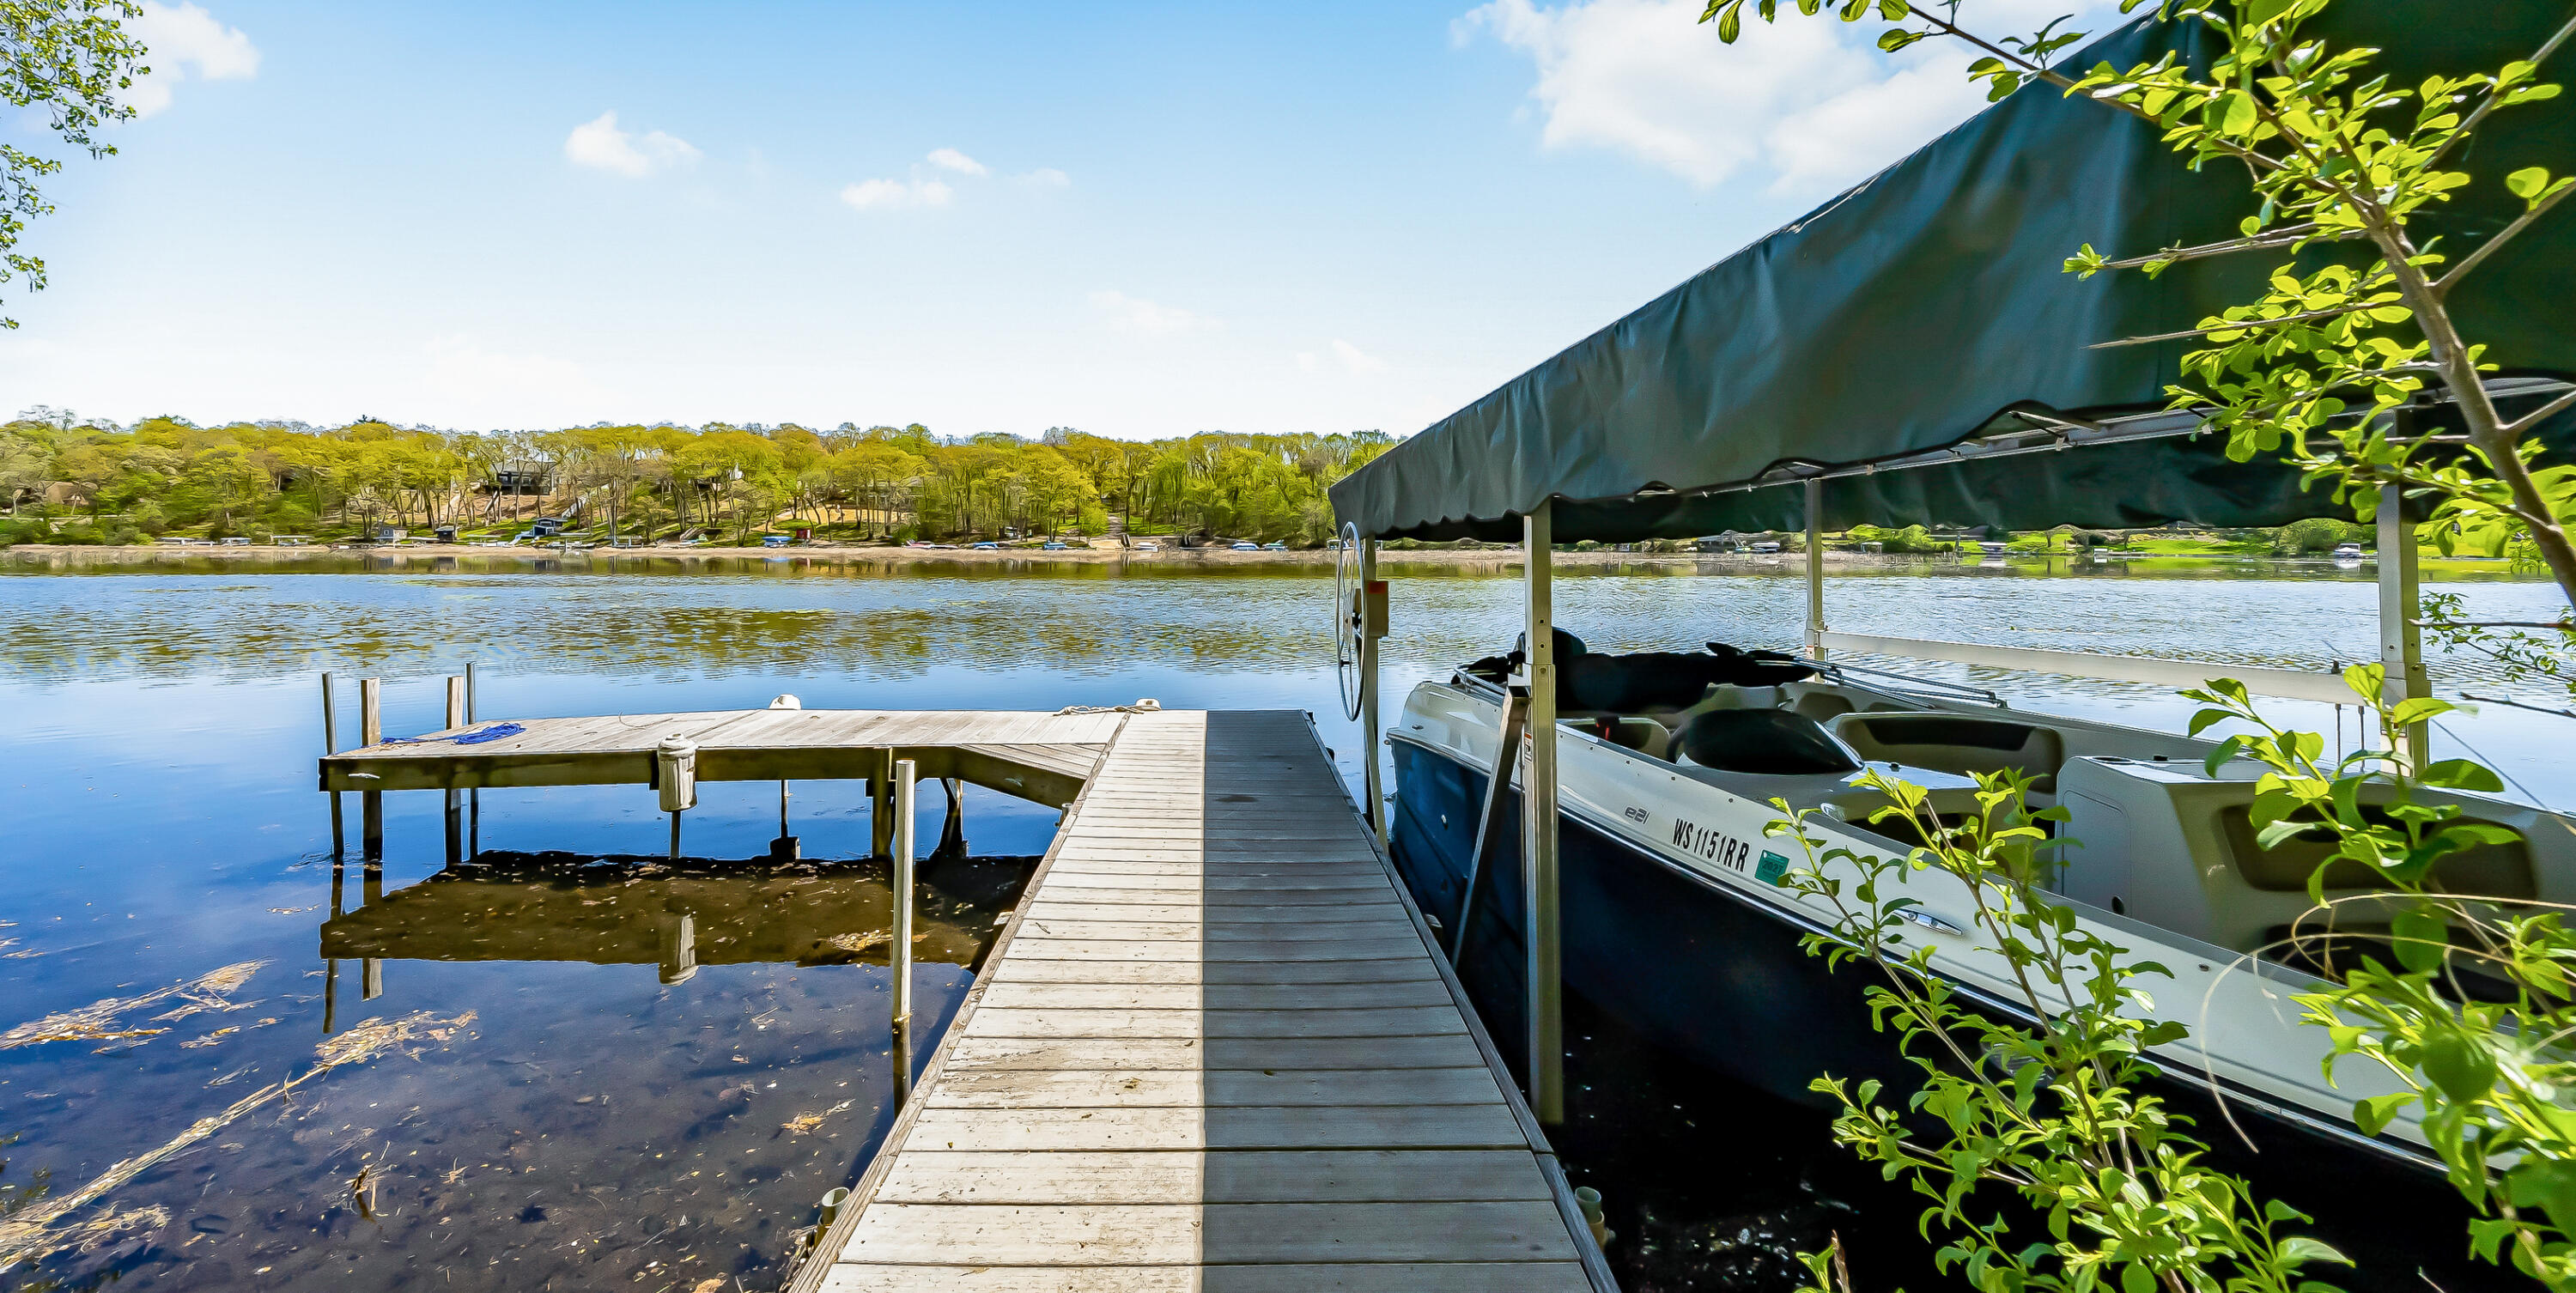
[{"x": 1706, "y": 842}]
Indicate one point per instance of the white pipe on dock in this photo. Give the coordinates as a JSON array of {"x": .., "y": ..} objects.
[{"x": 900, "y": 959}]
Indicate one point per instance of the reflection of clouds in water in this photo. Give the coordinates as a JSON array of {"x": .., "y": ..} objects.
[{"x": 1094, "y": 622}]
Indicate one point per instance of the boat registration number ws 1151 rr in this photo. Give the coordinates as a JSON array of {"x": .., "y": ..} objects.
[
  {"x": 1727, "y": 851},
  {"x": 1710, "y": 844}
]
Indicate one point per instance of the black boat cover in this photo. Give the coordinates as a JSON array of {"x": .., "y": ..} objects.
[{"x": 1917, "y": 309}]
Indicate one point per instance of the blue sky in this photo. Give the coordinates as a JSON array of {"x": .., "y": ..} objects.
[{"x": 1134, "y": 219}]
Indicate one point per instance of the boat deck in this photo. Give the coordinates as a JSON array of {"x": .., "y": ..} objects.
[{"x": 1215, "y": 1050}]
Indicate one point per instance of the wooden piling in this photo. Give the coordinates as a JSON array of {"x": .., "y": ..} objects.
[
  {"x": 456, "y": 703},
  {"x": 371, "y": 711}
]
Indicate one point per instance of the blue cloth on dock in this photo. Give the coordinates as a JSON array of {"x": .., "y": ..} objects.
[{"x": 477, "y": 737}]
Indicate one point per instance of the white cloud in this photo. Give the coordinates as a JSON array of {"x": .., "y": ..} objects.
[
  {"x": 883, "y": 195},
  {"x": 180, "y": 39},
  {"x": 1355, "y": 359},
  {"x": 600, "y": 145},
  {"x": 1131, "y": 314},
  {"x": 924, "y": 189},
  {"x": 1808, "y": 101}
]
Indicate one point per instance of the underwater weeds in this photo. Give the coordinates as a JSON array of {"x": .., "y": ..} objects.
[{"x": 31, "y": 1234}]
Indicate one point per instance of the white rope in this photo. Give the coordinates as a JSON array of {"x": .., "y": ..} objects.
[{"x": 1146, "y": 706}]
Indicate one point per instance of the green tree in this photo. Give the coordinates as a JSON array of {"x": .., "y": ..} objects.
[{"x": 70, "y": 61}]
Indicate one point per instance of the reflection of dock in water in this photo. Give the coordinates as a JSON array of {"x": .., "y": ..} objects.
[{"x": 647, "y": 911}]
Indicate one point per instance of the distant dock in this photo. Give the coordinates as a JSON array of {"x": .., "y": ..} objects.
[{"x": 1216, "y": 1049}]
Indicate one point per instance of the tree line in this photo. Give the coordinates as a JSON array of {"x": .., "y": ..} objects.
[{"x": 74, "y": 480}]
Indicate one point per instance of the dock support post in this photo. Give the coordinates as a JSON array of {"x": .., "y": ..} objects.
[
  {"x": 371, "y": 979},
  {"x": 1815, "y": 570},
  {"x": 2401, "y": 640},
  {"x": 1372, "y": 628},
  {"x": 1538, "y": 828},
  {"x": 881, "y": 805},
  {"x": 371, "y": 804},
  {"x": 952, "y": 825},
  {"x": 900, "y": 958},
  {"x": 474, "y": 797},
  {"x": 331, "y": 746},
  {"x": 456, "y": 703}
]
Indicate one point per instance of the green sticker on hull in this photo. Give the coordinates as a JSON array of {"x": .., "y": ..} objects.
[{"x": 1773, "y": 867}]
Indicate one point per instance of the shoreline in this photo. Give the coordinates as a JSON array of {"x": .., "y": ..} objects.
[{"x": 456, "y": 557}]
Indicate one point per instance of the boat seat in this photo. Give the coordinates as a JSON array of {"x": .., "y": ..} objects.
[
  {"x": 1644, "y": 735},
  {"x": 2265, "y": 893},
  {"x": 1822, "y": 706},
  {"x": 1955, "y": 743},
  {"x": 2169, "y": 845}
]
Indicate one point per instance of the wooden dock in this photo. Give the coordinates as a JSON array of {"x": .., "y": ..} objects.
[{"x": 1216, "y": 1050}]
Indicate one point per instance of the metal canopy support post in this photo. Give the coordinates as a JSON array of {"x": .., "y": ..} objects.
[
  {"x": 1546, "y": 981},
  {"x": 1372, "y": 627},
  {"x": 1816, "y": 569},
  {"x": 2401, "y": 641}
]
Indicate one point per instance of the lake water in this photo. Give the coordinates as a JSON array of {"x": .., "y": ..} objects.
[{"x": 526, "y": 1103}]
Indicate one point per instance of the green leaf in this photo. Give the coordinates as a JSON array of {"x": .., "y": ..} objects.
[
  {"x": 2421, "y": 939},
  {"x": 2528, "y": 182},
  {"x": 2462, "y": 774},
  {"x": 2298, "y": 1250},
  {"x": 2547, "y": 1185},
  {"x": 2374, "y": 1114},
  {"x": 2459, "y": 1065},
  {"x": 2240, "y": 113}
]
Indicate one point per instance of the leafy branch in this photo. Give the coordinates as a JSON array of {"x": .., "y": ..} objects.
[{"x": 2048, "y": 1108}]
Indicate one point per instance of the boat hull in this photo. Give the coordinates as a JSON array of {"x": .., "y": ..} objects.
[{"x": 1726, "y": 984}]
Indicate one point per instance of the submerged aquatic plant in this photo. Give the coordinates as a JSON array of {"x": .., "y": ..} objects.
[
  {"x": 97, "y": 1021},
  {"x": 2048, "y": 1106},
  {"x": 31, "y": 1234}
]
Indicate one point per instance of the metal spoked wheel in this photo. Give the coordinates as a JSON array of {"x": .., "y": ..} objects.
[{"x": 1347, "y": 643}]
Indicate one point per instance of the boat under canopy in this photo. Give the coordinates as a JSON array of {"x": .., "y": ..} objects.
[{"x": 1922, "y": 319}]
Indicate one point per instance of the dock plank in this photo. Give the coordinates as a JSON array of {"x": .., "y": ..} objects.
[
  {"x": 1351, "y": 1277},
  {"x": 1209, "y": 1233}
]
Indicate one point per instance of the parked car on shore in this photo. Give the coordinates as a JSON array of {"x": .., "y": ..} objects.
[
  {"x": 1051, "y": 546},
  {"x": 1274, "y": 547},
  {"x": 1246, "y": 545},
  {"x": 988, "y": 546}
]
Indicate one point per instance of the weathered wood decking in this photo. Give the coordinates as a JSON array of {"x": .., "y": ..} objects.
[
  {"x": 1216, "y": 1052},
  {"x": 1044, "y": 757}
]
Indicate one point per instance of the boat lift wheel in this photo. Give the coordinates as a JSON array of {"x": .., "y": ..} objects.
[{"x": 1348, "y": 590}]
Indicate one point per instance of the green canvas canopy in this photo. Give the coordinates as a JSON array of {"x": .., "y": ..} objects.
[{"x": 1925, "y": 314}]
